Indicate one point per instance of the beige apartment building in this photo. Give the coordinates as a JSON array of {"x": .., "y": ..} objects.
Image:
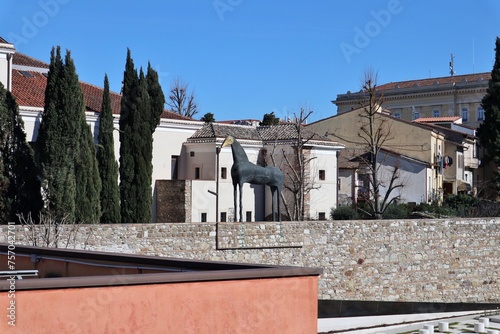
[
  {"x": 424, "y": 145},
  {"x": 458, "y": 95}
]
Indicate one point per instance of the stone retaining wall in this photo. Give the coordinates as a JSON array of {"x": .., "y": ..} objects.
[{"x": 405, "y": 260}]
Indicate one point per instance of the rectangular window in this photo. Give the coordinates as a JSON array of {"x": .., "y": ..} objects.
[
  {"x": 223, "y": 217},
  {"x": 339, "y": 184},
  {"x": 175, "y": 167},
  {"x": 203, "y": 217},
  {"x": 321, "y": 216},
  {"x": 436, "y": 113},
  {"x": 322, "y": 174},
  {"x": 197, "y": 173},
  {"x": 223, "y": 173},
  {"x": 480, "y": 114},
  {"x": 191, "y": 153},
  {"x": 397, "y": 115},
  {"x": 248, "y": 216},
  {"x": 416, "y": 115},
  {"x": 465, "y": 114}
]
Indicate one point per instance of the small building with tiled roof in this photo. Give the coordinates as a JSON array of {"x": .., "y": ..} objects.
[
  {"x": 265, "y": 146},
  {"x": 354, "y": 180},
  {"x": 458, "y": 95}
]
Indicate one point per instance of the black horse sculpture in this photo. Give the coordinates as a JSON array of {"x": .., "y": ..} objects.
[{"x": 243, "y": 171}]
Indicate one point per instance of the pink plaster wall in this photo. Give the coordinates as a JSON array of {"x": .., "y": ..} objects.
[{"x": 276, "y": 305}]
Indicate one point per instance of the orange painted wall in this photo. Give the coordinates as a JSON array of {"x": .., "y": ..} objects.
[{"x": 277, "y": 305}]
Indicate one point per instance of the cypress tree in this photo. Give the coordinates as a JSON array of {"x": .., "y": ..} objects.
[
  {"x": 70, "y": 177},
  {"x": 489, "y": 130},
  {"x": 57, "y": 143},
  {"x": 4, "y": 199},
  {"x": 108, "y": 167},
  {"x": 141, "y": 108},
  {"x": 157, "y": 98},
  {"x": 88, "y": 181},
  {"x": 128, "y": 115},
  {"x": 144, "y": 154},
  {"x": 24, "y": 185}
]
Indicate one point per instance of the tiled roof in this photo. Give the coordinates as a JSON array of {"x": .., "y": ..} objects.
[
  {"x": 449, "y": 80},
  {"x": 30, "y": 90},
  {"x": 280, "y": 132},
  {"x": 286, "y": 132},
  {"x": 215, "y": 130},
  {"x": 3, "y": 40},
  {"x": 349, "y": 158},
  {"x": 451, "y": 119},
  {"x": 24, "y": 60}
]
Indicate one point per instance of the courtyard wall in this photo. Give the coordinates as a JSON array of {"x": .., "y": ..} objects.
[{"x": 441, "y": 260}]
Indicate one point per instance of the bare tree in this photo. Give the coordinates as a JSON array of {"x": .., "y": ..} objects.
[
  {"x": 295, "y": 164},
  {"x": 374, "y": 133},
  {"x": 180, "y": 100}
]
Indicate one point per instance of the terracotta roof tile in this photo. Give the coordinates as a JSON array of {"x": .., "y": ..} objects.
[
  {"x": 30, "y": 90},
  {"x": 451, "y": 119},
  {"x": 24, "y": 60}
]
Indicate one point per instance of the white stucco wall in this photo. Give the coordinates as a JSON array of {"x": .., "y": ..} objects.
[{"x": 324, "y": 198}]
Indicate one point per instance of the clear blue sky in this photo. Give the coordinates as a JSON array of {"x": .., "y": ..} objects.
[{"x": 245, "y": 58}]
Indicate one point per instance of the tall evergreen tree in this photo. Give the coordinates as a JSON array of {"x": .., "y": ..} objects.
[
  {"x": 66, "y": 149},
  {"x": 141, "y": 108},
  {"x": 24, "y": 185},
  {"x": 4, "y": 199},
  {"x": 108, "y": 167},
  {"x": 157, "y": 98},
  {"x": 87, "y": 180},
  {"x": 57, "y": 143},
  {"x": 128, "y": 147},
  {"x": 489, "y": 130}
]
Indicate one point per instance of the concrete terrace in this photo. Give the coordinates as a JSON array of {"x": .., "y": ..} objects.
[{"x": 456, "y": 322}]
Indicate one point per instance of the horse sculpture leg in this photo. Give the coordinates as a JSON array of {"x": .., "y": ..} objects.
[
  {"x": 273, "y": 191},
  {"x": 241, "y": 202},
  {"x": 278, "y": 197},
  {"x": 235, "y": 202}
]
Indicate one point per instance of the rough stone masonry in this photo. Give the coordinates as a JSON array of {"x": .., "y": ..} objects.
[{"x": 441, "y": 260}]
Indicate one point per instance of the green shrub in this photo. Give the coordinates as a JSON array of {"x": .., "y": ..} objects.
[
  {"x": 436, "y": 210},
  {"x": 464, "y": 205},
  {"x": 344, "y": 213},
  {"x": 396, "y": 211}
]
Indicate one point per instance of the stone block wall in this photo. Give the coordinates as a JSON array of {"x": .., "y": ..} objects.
[
  {"x": 173, "y": 201},
  {"x": 440, "y": 260}
]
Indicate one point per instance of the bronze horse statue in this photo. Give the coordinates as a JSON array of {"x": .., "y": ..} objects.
[{"x": 243, "y": 171}]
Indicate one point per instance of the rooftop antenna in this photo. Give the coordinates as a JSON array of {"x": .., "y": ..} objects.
[
  {"x": 473, "y": 56},
  {"x": 452, "y": 70}
]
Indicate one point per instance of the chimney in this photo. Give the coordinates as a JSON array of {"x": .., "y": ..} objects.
[{"x": 7, "y": 50}]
